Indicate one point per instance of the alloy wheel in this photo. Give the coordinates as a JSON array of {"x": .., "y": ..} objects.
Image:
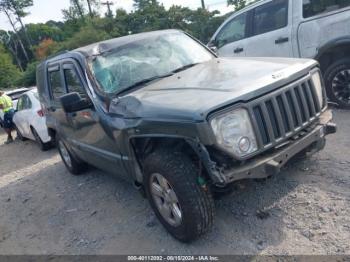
[
  {"x": 341, "y": 86},
  {"x": 166, "y": 200},
  {"x": 65, "y": 154}
]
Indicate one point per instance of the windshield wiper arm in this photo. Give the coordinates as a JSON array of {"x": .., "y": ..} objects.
[
  {"x": 143, "y": 82},
  {"x": 184, "y": 67}
]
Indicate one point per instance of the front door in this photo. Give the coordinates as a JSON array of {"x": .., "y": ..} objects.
[
  {"x": 86, "y": 128},
  {"x": 271, "y": 30},
  {"x": 230, "y": 40}
]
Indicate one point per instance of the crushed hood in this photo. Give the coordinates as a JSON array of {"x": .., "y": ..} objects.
[{"x": 192, "y": 94}]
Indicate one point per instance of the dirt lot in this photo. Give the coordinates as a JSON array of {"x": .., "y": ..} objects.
[{"x": 45, "y": 210}]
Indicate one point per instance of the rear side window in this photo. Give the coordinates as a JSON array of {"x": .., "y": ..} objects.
[
  {"x": 56, "y": 85},
  {"x": 270, "y": 17},
  {"x": 27, "y": 104},
  {"x": 316, "y": 7},
  {"x": 73, "y": 82},
  {"x": 234, "y": 30},
  {"x": 20, "y": 104}
]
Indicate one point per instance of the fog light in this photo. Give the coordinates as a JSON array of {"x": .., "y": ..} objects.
[{"x": 244, "y": 144}]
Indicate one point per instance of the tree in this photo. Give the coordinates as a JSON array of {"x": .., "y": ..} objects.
[
  {"x": 75, "y": 11},
  {"x": 9, "y": 73},
  {"x": 18, "y": 8},
  {"x": 142, "y": 4},
  {"x": 40, "y": 32},
  {"x": 239, "y": 4},
  {"x": 45, "y": 48},
  {"x": 5, "y": 7},
  {"x": 87, "y": 35}
]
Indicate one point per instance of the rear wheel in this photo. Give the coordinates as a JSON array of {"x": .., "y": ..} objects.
[
  {"x": 183, "y": 206},
  {"x": 72, "y": 163},
  {"x": 337, "y": 78},
  {"x": 43, "y": 146}
]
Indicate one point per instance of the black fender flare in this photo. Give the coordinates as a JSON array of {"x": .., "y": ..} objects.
[
  {"x": 198, "y": 148},
  {"x": 345, "y": 40}
]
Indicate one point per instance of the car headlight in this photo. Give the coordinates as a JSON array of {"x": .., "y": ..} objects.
[
  {"x": 234, "y": 132},
  {"x": 316, "y": 79}
]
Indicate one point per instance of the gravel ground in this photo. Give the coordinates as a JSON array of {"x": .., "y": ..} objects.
[{"x": 45, "y": 210}]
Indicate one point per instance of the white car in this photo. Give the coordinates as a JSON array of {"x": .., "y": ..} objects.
[
  {"x": 30, "y": 120},
  {"x": 14, "y": 94}
]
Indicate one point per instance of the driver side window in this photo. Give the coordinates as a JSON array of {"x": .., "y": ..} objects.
[{"x": 233, "y": 31}]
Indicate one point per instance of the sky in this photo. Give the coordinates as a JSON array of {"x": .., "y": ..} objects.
[{"x": 45, "y": 10}]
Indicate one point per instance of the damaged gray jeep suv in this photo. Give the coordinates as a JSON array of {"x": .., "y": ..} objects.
[{"x": 161, "y": 110}]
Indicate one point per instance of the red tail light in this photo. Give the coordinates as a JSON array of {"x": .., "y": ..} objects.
[{"x": 41, "y": 113}]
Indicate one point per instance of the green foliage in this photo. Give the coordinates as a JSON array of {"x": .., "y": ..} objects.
[
  {"x": 239, "y": 4},
  {"x": 28, "y": 78},
  {"x": 87, "y": 35},
  {"x": 8, "y": 71},
  {"x": 39, "y": 32}
]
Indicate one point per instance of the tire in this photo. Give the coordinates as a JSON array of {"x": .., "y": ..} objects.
[
  {"x": 19, "y": 135},
  {"x": 194, "y": 202},
  {"x": 74, "y": 165},
  {"x": 43, "y": 146},
  {"x": 337, "y": 78}
]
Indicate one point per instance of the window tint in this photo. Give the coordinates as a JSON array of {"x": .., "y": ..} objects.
[
  {"x": 270, "y": 17},
  {"x": 27, "y": 104},
  {"x": 233, "y": 31},
  {"x": 20, "y": 104},
  {"x": 316, "y": 7},
  {"x": 56, "y": 85},
  {"x": 73, "y": 82}
]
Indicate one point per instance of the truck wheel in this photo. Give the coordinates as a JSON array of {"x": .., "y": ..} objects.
[
  {"x": 337, "y": 78},
  {"x": 75, "y": 166},
  {"x": 184, "y": 208}
]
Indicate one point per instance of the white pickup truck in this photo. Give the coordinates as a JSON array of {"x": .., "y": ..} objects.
[{"x": 317, "y": 29}]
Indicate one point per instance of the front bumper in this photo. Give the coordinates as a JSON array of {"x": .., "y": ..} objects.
[{"x": 271, "y": 164}]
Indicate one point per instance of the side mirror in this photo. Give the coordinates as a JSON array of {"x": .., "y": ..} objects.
[
  {"x": 212, "y": 46},
  {"x": 73, "y": 102}
]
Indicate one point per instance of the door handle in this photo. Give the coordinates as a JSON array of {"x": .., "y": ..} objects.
[
  {"x": 281, "y": 40},
  {"x": 238, "y": 50}
]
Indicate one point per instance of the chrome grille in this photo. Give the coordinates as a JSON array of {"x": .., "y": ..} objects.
[{"x": 285, "y": 112}]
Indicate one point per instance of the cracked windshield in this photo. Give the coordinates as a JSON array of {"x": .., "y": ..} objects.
[{"x": 146, "y": 59}]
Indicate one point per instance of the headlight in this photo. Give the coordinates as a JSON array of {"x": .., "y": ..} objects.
[
  {"x": 234, "y": 132},
  {"x": 316, "y": 79}
]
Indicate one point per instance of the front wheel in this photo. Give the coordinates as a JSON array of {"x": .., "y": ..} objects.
[
  {"x": 337, "y": 78},
  {"x": 183, "y": 206}
]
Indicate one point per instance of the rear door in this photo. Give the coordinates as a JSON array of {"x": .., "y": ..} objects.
[
  {"x": 271, "y": 30},
  {"x": 231, "y": 39},
  {"x": 18, "y": 117},
  {"x": 86, "y": 128},
  {"x": 327, "y": 20},
  {"x": 26, "y": 114},
  {"x": 22, "y": 116}
]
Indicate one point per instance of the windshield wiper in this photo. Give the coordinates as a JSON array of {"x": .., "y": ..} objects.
[
  {"x": 184, "y": 68},
  {"x": 143, "y": 82}
]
